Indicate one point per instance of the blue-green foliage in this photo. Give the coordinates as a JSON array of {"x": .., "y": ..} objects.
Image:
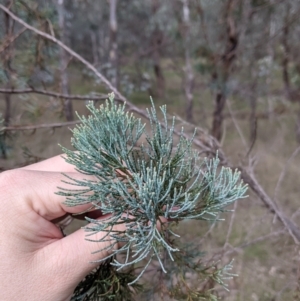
[{"x": 143, "y": 185}]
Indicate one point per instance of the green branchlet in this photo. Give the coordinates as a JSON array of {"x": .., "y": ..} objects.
[
  {"x": 107, "y": 284},
  {"x": 138, "y": 184},
  {"x": 189, "y": 277}
]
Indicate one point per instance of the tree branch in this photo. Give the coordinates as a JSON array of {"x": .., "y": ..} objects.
[
  {"x": 254, "y": 241},
  {"x": 10, "y": 40},
  {"x": 38, "y": 126},
  {"x": 251, "y": 180},
  {"x": 54, "y": 94}
]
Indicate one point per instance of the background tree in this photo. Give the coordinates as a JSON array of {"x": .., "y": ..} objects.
[{"x": 63, "y": 61}]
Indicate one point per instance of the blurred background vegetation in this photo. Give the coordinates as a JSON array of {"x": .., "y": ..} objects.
[{"x": 229, "y": 67}]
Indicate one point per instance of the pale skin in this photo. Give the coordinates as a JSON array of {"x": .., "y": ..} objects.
[{"x": 36, "y": 261}]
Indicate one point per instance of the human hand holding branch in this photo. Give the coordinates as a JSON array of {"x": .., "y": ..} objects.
[{"x": 37, "y": 261}]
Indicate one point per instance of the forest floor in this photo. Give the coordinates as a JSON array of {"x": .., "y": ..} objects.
[{"x": 265, "y": 260}]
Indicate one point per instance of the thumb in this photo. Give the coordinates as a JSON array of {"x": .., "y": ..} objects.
[{"x": 74, "y": 256}]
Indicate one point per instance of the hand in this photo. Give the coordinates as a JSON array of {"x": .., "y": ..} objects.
[{"x": 36, "y": 261}]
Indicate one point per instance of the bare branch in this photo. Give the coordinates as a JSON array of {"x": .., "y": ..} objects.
[
  {"x": 38, "y": 126},
  {"x": 250, "y": 179},
  {"x": 267, "y": 5},
  {"x": 282, "y": 175},
  {"x": 54, "y": 94},
  {"x": 254, "y": 241},
  {"x": 10, "y": 40},
  {"x": 236, "y": 124},
  {"x": 50, "y": 27},
  {"x": 230, "y": 225}
]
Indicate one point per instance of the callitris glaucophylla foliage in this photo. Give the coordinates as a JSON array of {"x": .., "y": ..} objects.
[{"x": 137, "y": 185}]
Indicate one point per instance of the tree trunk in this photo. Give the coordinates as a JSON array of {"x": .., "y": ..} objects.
[
  {"x": 7, "y": 116},
  {"x": 221, "y": 75},
  {"x": 94, "y": 49},
  {"x": 188, "y": 69},
  {"x": 157, "y": 39},
  {"x": 286, "y": 53},
  {"x": 218, "y": 117},
  {"x": 253, "y": 118},
  {"x": 298, "y": 127},
  {"x": 7, "y": 113},
  {"x": 160, "y": 79},
  {"x": 113, "y": 53},
  {"x": 63, "y": 60}
]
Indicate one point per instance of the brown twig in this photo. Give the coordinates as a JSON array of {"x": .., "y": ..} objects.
[
  {"x": 12, "y": 39},
  {"x": 251, "y": 180},
  {"x": 50, "y": 93},
  {"x": 254, "y": 241},
  {"x": 39, "y": 126},
  {"x": 282, "y": 175},
  {"x": 230, "y": 226},
  {"x": 228, "y": 103}
]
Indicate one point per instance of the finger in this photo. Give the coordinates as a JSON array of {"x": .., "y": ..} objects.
[
  {"x": 56, "y": 163},
  {"x": 76, "y": 256},
  {"x": 36, "y": 190}
]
